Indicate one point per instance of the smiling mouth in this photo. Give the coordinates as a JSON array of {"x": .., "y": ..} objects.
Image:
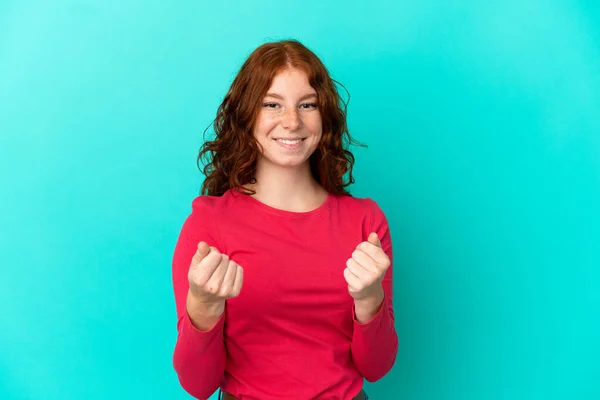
[
  {"x": 291, "y": 144},
  {"x": 290, "y": 141}
]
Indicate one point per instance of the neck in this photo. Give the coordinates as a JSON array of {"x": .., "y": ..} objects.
[{"x": 292, "y": 189}]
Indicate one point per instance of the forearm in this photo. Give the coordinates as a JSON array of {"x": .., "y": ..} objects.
[
  {"x": 365, "y": 309},
  {"x": 199, "y": 359},
  {"x": 374, "y": 342},
  {"x": 199, "y": 355},
  {"x": 204, "y": 316}
]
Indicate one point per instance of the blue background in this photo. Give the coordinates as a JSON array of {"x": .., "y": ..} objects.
[{"x": 483, "y": 126}]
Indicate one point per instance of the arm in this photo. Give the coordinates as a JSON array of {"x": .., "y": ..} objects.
[
  {"x": 199, "y": 354},
  {"x": 375, "y": 341}
]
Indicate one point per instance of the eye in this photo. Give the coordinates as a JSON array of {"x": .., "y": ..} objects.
[
  {"x": 270, "y": 105},
  {"x": 309, "y": 105}
]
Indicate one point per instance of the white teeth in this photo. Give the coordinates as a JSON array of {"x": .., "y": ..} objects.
[{"x": 289, "y": 141}]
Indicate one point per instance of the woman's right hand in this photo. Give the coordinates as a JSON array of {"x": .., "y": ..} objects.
[{"x": 213, "y": 277}]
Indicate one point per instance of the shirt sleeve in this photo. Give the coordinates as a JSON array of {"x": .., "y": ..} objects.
[
  {"x": 375, "y": 343},
  {"x": 199, "y": 356}
]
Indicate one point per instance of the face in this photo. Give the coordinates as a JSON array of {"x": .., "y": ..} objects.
[{"x": 289, "y": 125}]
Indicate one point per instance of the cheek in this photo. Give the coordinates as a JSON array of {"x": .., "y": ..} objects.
[
  {"x": 316, "y": 125},
  {"x": 317, "y": 129},
  {"x": 264, "y": 126}
]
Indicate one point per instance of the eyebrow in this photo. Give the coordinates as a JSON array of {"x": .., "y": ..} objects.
[{"x": 277, "y": 96}]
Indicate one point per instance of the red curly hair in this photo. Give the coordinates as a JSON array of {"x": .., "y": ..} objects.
[{"x": 232, "y": 156}]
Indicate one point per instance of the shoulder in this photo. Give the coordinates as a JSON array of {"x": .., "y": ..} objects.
[
  {"x": 363, "y": 205},
  {"x": 205, "y": 204},
  {"x": 366, "y": 212}
]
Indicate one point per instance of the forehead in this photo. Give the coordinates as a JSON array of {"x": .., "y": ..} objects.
[{"x": 291, "y": 81}]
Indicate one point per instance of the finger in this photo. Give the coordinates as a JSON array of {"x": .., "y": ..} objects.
[
  {"x": 201, "y": 251},
  {"x": 365, "y": 261},
  {"x": 202, "y": 271},
  {"x": 374, "y": 239},
  {"x": 228, "y": 280},
  {"x": 352, "y": 280},
  {"x": 375, "y": 252},
  {"x": 239, "y": 280},
  {"x": 216, "y": 279},
  {"x": 357, "y": 270}
]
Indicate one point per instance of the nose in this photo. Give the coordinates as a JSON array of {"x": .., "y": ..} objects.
[{"x": 290, "y": 119}]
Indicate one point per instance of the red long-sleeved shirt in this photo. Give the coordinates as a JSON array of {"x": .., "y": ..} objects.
[{"x": 292, "y": 332}]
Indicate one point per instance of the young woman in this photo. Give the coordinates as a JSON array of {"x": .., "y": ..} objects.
[{"x": 282, "y": 279}]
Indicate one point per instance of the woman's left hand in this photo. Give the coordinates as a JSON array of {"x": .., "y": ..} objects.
[{"x": 365, "y": 270}]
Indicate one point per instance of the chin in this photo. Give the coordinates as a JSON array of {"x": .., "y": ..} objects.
[{"x": 286, "y": 163}]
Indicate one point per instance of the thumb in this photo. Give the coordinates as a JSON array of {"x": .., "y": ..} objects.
[
  {"x": 201, "y": 252},
  {"x": 374, "y": 239}
]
